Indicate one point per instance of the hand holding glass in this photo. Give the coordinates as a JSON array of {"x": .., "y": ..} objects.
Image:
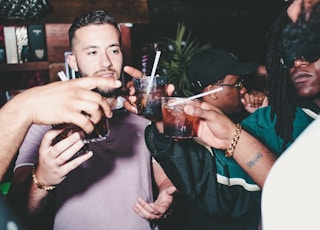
[
  {"x": 100, "y": 133},
  {"x": 176, "y": 123},
  {"x": 149, "y": 91}
]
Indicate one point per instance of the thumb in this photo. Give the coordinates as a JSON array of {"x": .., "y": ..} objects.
[
  {"x": 133, "y": 72},
  {"x": 171, "y": 190},
  {"x": 199, "y": 111},
  {"x": 265, "y": 102}
]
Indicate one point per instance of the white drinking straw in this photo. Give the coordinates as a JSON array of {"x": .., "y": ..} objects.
[
  {"x": 62, "y": 76},
  {"x": 153, "y": 72},
  {"x": 155, "y": 63},
  {"x": 196, "y": 96}
]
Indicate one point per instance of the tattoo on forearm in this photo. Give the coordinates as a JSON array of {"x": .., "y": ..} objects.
[{"x": 251, "y": 163}]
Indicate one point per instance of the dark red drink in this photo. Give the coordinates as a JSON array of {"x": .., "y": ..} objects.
[
  {"x": 176, "y": 123},
  {"x": 149, "y": 96}
]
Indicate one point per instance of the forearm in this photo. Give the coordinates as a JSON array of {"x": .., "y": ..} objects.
[
  {"x": 161, "y": 179},
  {"x": 254, "y": 157},
  {"x": 14, "y": 123},
  {"x": 38, "y": 200},
  {"x": 25, "y": 195}
]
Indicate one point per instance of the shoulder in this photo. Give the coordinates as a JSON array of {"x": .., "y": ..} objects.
[
  {"x": 260, "y": 117},
  {"x": 28, "y": 152}
]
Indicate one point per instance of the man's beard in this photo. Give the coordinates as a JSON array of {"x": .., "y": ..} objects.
[
  {"x": 111, "y": 93},
  {"x": 107, "y": 93}
]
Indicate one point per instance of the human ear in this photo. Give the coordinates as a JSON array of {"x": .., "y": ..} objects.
[{"x": 212, "y": 95}]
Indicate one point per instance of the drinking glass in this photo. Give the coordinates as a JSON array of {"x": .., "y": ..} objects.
[
  {"x": 149, "y": 91},
  {"x": 176, "y": 123}
]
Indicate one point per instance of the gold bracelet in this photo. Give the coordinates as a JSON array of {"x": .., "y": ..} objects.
[
  {"x": 38, "y": 184},
  {"x": 230, "y": 151}
]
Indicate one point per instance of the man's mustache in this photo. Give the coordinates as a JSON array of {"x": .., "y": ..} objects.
[{"x": 112, "y": 93}]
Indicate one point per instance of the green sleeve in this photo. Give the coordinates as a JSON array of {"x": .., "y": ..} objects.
[{"x": 196, "y": 174}]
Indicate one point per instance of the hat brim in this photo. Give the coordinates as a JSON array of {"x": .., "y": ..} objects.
[{"x": 245, "y": 68}]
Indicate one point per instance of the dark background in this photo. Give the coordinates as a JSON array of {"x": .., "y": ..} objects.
[{"x": 236, "y": 25}]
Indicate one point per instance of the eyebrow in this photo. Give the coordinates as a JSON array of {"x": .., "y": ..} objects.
[
  {"x": 95, "y": 46},
  {"x": 112, "y": 45}
]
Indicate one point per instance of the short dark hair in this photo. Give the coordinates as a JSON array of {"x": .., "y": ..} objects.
[{"x": 95, "y": 17}]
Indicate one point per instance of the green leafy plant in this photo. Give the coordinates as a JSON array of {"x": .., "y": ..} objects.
[{"x": 175, "y": 58}]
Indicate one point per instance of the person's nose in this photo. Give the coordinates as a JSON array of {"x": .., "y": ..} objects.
[
  {"x": 105, "y": 61},
  {"x": 300, "y": 62}
]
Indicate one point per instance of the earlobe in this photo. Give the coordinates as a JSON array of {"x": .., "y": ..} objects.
[
  {"x": 71, "y": 59},
  {"x": 213, "y": 95}
]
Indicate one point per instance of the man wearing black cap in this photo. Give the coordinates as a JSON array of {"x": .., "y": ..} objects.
[
  {"x": 218, "y": 194},
  {"x": 213, "y": 68}
]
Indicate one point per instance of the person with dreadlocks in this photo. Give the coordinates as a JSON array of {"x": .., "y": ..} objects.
[
  {"x": 255, "y": 143},
  {"x": 293, "y": 104},
  {"x": 252, "y": 146},
  {"x": 294, "y": 83},
  {"x": 286, "y": 204},
  {"x": 210, "y": 179}
]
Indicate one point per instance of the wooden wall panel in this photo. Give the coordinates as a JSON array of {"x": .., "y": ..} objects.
[
  {"x": 57, "y": 41},
  {"x": 64, "y": 11}
]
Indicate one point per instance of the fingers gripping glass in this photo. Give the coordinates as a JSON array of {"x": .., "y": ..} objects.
[
  {"x": 100, "y": 133},
  {"x": 288, "y": 61},
  {"x": 237, "y": 85}
]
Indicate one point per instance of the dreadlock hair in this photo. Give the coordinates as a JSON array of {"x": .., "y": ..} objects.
[
  {"x": 302, "y": 38},
  {"x": 282, "y": 95}
]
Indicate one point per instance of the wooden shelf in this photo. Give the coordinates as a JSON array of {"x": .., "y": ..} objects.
[{"x": 28, "y": 66}]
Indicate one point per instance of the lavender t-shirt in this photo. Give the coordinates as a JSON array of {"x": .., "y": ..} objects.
[{"x": 100, "y": 193}]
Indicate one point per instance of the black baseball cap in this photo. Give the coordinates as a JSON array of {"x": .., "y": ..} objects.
[{"x": 212, "y": 65}]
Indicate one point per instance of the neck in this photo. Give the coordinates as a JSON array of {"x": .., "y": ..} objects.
[
  {"x": 317, "y": 101},
  {"x": 112, "y": 101}
]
